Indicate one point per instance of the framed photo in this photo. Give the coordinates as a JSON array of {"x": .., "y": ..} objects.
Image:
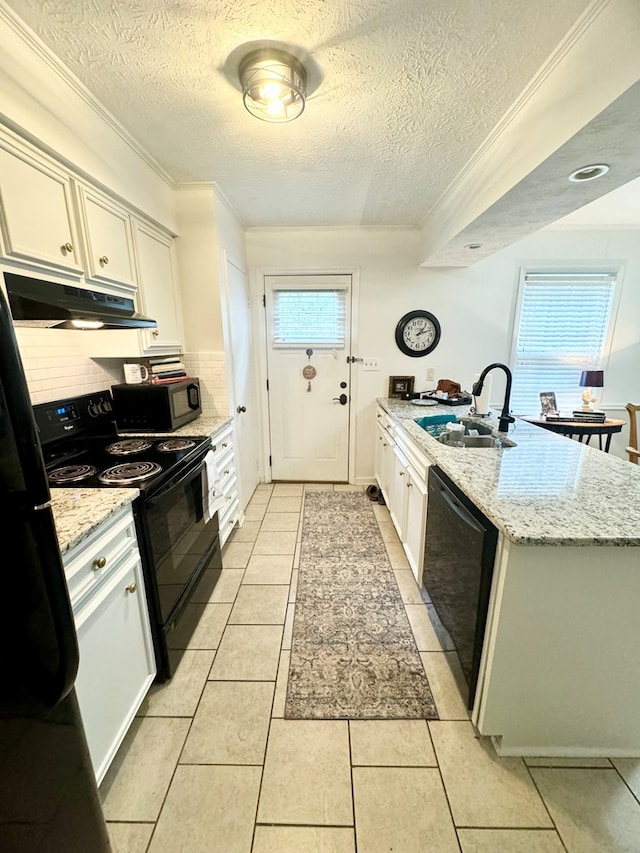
[
  {"x": 548, "y": 405},
  {"x": 399, "y": 385}
]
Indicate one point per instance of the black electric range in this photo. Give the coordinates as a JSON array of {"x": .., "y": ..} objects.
[
  {"x": 82, "y": 448},
  {"x": 178, "y": 536}
]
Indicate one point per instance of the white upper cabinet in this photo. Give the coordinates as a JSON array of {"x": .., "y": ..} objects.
[
  {"x": 36, "y": 212},
  {"x": 108, "y": 240},
  {"x": 157, "y": 295}
]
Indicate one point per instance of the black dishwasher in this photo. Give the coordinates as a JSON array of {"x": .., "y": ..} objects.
[{"x": 458, "y": 566}]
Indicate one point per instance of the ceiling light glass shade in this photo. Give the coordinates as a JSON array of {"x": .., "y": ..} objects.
[{"x": 273, "y": 84}]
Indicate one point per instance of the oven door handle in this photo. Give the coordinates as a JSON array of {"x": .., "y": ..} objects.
[{"x": 191, "y": 474}]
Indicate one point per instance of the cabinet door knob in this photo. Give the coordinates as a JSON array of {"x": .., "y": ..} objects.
[
  {"x": 104, "y": 260},
  {"x": 241, "y": 409},
  {"x": 132, "y": 587},
  {"x": 402, "y": 473},
  {"x": 226, "y": 472},
  {"x": 409, "y": 485},
  {"x": 99, "y": 563},
  {"x": 66, "y": 248},
  {"x": 155, "y": 333},
  {"x": 224, "y": 445}
]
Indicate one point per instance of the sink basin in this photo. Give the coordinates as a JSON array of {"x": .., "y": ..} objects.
[{"x": 486, "y": 437}]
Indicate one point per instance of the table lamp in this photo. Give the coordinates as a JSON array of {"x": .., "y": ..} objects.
[{"x": 590, "y": 379}]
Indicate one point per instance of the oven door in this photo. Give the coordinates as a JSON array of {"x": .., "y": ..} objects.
[{"x": 179, "y": 542}]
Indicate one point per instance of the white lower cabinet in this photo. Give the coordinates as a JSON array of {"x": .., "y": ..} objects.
[
  {"x": 398, "y": 497},
  {"x": 402, "y": 472},
  {"x": 384, "y": 461},
  {"x": 117, "y": 664},
  {"x": 416, "y": 522},
  {"x": 227, "y": 493}
]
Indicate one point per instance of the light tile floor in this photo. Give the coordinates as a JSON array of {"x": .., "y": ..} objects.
[{"x": 210, "y": 764}]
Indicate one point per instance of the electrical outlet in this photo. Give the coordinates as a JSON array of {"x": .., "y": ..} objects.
[
  {"x": 370, "y": 363},
  {"x": 431, "y": 374}
]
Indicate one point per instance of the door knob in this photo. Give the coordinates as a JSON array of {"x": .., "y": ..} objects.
[
  {"x": 241, "y": 409},
  {"x": 342, "y": 399}
]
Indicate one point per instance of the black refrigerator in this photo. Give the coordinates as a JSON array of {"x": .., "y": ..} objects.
[{"x": 48, "y": 796}]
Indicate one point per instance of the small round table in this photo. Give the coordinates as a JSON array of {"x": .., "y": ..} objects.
[{"x": 580, "y": 429}]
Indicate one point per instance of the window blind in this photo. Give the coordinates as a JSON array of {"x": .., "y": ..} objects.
[
  {"x": 302, "y": 317},
  {"x": 562, "y": 330}
]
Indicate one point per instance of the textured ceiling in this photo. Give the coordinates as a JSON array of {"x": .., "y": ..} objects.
[{"x": 405, "y": 91}]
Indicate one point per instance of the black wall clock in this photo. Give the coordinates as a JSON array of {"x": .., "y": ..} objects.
[{"x": 417, "y": 333}]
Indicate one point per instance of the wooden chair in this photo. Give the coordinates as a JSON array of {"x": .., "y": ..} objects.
[{"x": 632, "y": 449}]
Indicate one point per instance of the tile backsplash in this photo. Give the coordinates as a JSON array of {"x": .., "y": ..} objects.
[{"x": 56, "y": 366}]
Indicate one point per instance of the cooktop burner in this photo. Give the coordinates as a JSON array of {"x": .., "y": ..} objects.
[
  {"x": 173, "y": 444},
  {"x": 72, "y": 474},
  {"x": 82, "y": 448},
  {"x": 128, "y": 446},
  {"x": 130, "y": 472}
]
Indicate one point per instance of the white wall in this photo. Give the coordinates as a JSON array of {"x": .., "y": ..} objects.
[
  {"x": 209, "y": 232},
  {"x": 475, "y": 306}
]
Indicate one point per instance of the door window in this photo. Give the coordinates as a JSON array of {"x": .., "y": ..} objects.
[{"x": 309, "y": 317}]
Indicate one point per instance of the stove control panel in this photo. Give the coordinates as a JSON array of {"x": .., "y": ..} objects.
[{"x": 74, "y": 416}]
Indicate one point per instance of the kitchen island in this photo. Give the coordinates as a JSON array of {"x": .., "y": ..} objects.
[{"x": 560, "y": 674}]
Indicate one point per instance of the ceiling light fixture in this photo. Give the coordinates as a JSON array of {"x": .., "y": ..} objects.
[
  {"x": 588, "y": 173},
  {"x": 274, "y": 85}
]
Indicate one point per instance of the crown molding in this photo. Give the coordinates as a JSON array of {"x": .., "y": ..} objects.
[{"x": 56, "y": 66}]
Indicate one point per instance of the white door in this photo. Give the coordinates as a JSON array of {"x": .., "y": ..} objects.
[
  {"x": 308, "y": 344},
  {"x": 242, "y": 392}
]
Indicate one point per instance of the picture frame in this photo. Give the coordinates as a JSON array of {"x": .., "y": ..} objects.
[
  {"x": 548, "y": 405},
  {"x": 399, "y": 385}
]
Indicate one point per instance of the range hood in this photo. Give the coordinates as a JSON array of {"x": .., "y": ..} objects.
[{"x": 43, "y": 304}]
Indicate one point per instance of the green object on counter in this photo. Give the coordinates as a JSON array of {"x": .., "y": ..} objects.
[{"x": 435, "y": 425}]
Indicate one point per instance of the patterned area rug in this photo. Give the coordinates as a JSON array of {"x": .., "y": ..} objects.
[{"x": 353, "y": 654}]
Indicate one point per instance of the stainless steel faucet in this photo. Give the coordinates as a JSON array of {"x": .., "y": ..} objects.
[{"x": 505, "y": 416}]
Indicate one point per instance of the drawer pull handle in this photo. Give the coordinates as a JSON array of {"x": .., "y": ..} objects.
[
  {"x": 231, "y": 522},
  {"x": 409, "y": 485},
  {"x": 402, "y": 473},
  {"x": 66, "y": 248},
  {"x": 224, "y": 445},
  {"x": 99, "y": 563},
  {"x": 133, "y": 587},
  {"x": 385, "y": 444},
  {"x": 229, "y": 497},
  {"x": 226, "y": 472},
  {"x": 104, "y": 260},
  {"x": 155, "y": 333}
]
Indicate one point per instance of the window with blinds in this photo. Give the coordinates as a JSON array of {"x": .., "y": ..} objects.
[
  {"x": 309, "y": 317},
  {"x": 562, "y": 330}
]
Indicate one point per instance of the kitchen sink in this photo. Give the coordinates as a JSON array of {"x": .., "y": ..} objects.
[{"x": 485, "y": 438}]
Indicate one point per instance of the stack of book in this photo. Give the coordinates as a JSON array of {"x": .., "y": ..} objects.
[
  {"x": 589, "y": 417},
  {"x": 167, "y": 369}
]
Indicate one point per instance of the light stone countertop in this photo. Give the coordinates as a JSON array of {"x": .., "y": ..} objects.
[
  {"x": 78, "y": 512},
  {"x": 547, "y": 490},
  {"x": 205, "y": 425}
]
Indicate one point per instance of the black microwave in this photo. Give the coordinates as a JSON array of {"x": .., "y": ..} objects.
[{"x": 156, "y": 408}]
